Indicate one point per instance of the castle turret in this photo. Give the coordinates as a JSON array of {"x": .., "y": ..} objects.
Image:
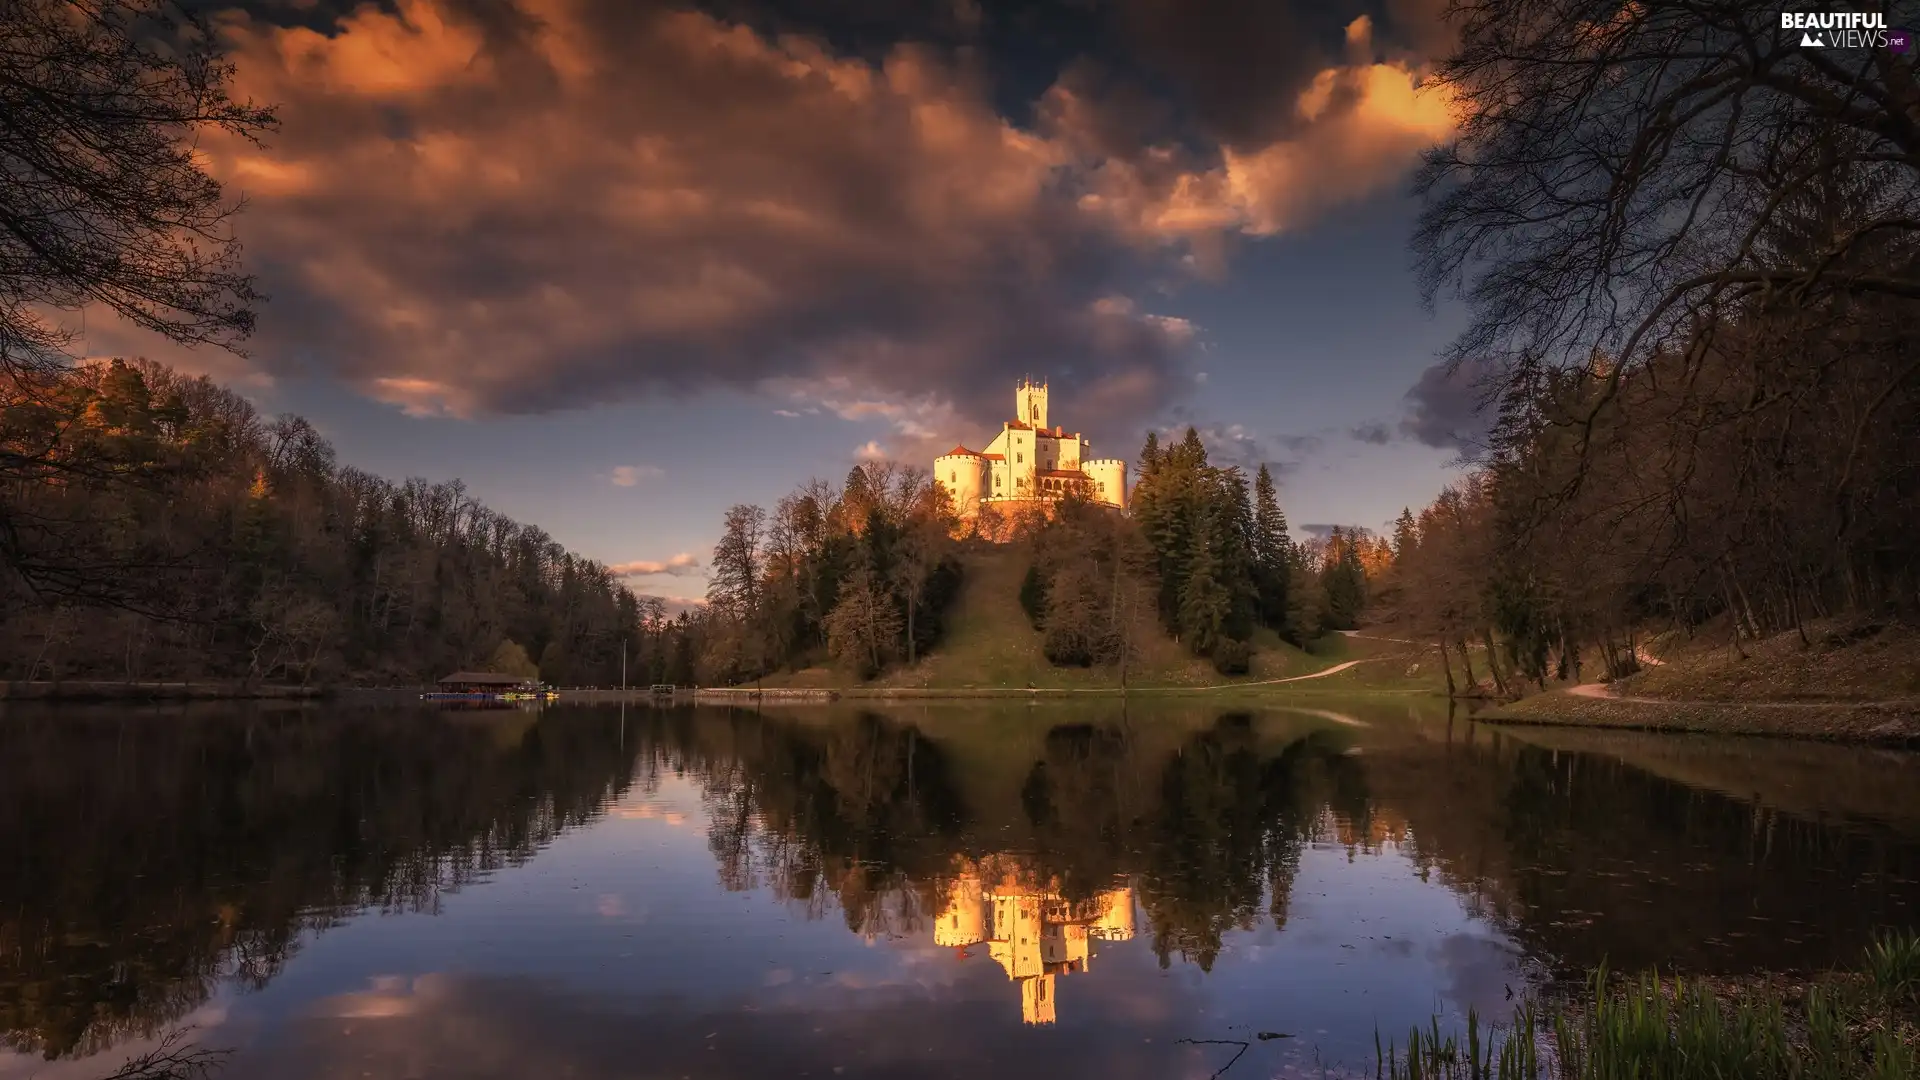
[
  {"x": 1109, "y": 480},
  {"x": 964, "y": 474},
  {"x": 964, "y": 919},
  {"x": 1036, "y": 1000},
  {"x": 1116, "y": 917},
  {"x": 1030, "y": 403}
]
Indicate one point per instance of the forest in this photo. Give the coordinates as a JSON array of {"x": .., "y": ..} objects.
[
  {"x": 158, "y": 528},
  {"x": 860, "y": 576},
  {"x": 1697, "y": 346}
]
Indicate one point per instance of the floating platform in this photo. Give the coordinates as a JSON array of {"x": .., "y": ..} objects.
[{"x": 510, "y": 695}]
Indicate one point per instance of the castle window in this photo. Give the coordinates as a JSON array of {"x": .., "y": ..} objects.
[{"x": 1019, "y": 459}]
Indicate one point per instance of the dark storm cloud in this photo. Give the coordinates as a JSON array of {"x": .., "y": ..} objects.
[
  {"x": 562, "y": 203},
  {"x": 1445, "y": 408},
  {"x": 480, "y": 206},
  {"x": 1237, "y": 66}
]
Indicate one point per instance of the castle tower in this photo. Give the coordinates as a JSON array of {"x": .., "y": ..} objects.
[
  {"x": 1109, "y": 477},
  {"x": 1030, "y": 403},
  {"x": 1116, "y": 917},
  {"x": 1036, "y": 1000},
  {"x": 964, "y": 919},
  {"x": 964, "y": 474}
]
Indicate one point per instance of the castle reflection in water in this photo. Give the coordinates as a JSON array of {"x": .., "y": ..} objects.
[{"x": 1031, "y": 931}]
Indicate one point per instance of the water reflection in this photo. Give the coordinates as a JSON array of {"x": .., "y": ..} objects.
[
  {"x": 869, "y": 892},
  {"x": 1033, "y": 933},
  {"x": 154, "y": 855}
]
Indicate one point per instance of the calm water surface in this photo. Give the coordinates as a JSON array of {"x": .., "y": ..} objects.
[{"x": 1003, "y": 890}]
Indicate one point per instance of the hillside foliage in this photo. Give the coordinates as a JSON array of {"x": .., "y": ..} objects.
[
  {"x": 158, "y": 528},
  {"x": 1697, "y": 343},
  {"x": 859, "y": 575}
]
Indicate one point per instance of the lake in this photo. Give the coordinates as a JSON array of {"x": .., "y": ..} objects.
[{"x": 971, "y": 889}]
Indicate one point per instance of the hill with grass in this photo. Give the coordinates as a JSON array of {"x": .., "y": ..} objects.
[{"x": 990, "y": 645}]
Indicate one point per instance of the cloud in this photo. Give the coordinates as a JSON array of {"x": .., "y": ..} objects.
[
  {"x": 675, "y": 605},
  {"x": 1234, "y": 444},
  {"x": 1346, "y": 131},
  {"x": 1375, "y": 432},
  {"x": 785, "y": 412},
  {"x": 629, "y": 475},
  {"x": 681, "y": 565},
  {"x": 452, "y": 220},
  {"x": 1444, "y": 408},
  {"x": 871, "y": 450}
]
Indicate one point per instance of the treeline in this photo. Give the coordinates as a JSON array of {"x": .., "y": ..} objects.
[
  {"x": 1205, "y": 550},
  {"x": 157, "y": 527},
  {"x": 1698, "y": 343},
  {"x": 858, "y": 575},
  {"x": 1748, "y": 496}
]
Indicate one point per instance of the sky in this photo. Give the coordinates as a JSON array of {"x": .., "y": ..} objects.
[{"x": 620, "y": 264}]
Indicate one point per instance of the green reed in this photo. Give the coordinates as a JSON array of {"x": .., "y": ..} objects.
[
  {"x": 1650, "y": 1028},
  {"x": 1893, "y": 965}
]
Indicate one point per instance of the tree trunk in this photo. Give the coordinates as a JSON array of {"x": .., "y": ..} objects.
[
  {"x": 911, "y": 597},
  {"x": 1493, "y": 662},
  {"x": 1466, "y": 661},
  {"x": 1446, "y": 666}
]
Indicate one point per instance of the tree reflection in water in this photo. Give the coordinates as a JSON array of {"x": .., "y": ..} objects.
[{"x": 153, "y": 856}]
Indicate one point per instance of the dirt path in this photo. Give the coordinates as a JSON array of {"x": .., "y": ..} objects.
[
  {"x": 1321, "y": 674},
  {"x": 1604, "y": 692}
]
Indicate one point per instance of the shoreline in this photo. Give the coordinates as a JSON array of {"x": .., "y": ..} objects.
[
  {"x": 122, "y": 690},
  {"x": 1869, "y": 723}
]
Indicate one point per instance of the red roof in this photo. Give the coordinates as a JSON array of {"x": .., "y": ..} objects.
[
  {"x": 994, "y": 457},
  {"x": 1019, "y": 425},
  {"x": 962, "y": 451},
  {"x": 1072, "y": 473}
]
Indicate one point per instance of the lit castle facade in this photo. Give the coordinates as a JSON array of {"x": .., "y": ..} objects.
[
  {"x": 1034, "y": 935},
  {"x": 1028, "y": 462}
]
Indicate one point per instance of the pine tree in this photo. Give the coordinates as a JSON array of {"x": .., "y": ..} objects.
[
  {"x": 1235, "y": 537},
  {"x": 1345, "y": 582},
  {"x": 1149, "y": 456},
  {"x": 1406, "y": 535},
  {"x": 1205, "y": 604},
  {"x": 1272, "y": 557}
]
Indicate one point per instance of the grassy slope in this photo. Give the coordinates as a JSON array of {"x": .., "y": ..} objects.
[
  {"x": 1853, "y": 682},
  {"x": 1854, "y": 660},
  {"x": 990, "y": 645}
]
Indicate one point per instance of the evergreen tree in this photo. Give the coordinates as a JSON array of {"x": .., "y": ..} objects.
[
  {"x": 1205, "y": 603},
  {"x": 1149, "y": 456},
  {"x": 1345, "y": 581},
  {"x": 1272, "y": 557},
  {"x": 1406, "y": 535},
  {"x": 1238, "y": 566}
]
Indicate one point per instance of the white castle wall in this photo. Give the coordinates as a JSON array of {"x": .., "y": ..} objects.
[
  {"x": 965, "y": 478},
  {"x": 1109, "y": 476}
]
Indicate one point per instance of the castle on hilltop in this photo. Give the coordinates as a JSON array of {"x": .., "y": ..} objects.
[{"x": 1028, "y": 462}]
